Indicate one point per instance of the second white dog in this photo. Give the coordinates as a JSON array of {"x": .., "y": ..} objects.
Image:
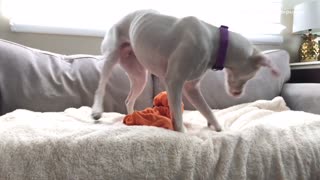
[{"x": 179, "y": 52}]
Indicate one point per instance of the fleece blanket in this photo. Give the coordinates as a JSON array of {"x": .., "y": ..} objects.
[{"x": 261, "y": 140}]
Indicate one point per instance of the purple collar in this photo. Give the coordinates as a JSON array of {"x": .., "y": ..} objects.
[{"x": 222, "y": 51}]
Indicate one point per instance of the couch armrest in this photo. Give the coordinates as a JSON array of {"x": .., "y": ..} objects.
[{"x": 302, "y": 96}]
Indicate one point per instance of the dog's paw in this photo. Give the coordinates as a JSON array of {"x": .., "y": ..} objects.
[
  {"x": 96, "y": 115},
  {"x": 218, "y": 128},
  {"x": 183, "y": 129}
]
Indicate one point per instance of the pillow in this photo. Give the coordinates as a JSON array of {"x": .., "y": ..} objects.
[
  {"x": 262, "y": 86},
  {"x": 43, "y": 81}
]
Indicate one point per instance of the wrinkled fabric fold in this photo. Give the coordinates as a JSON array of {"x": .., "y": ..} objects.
[{"x": 158, "y": 116}]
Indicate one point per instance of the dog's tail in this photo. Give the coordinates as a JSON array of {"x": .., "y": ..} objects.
[{"x": 110, "y": 49}]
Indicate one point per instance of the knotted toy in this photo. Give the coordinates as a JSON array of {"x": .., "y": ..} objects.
[{"x": 158, "y": 115}]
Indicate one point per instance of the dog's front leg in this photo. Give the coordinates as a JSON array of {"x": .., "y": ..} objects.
[
  {"x": 174, "y": 80},
  {"x": 192, "y": 92},
  {"x": 174, "y": 90}
]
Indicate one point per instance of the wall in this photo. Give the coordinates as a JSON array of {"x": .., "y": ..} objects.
[
  {"x": 91, "y": 45},
  {"x": 55, "y": 43}
]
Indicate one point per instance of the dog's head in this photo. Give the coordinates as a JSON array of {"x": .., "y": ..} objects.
[{"x": 238, "y": 75}]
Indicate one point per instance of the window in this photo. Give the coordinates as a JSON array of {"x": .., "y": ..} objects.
[{"x": 93, "y": 17}]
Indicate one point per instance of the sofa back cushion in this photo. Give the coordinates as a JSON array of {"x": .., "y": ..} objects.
[
  {"x": 262, "y": 86},
  {"x": 43, "y": 81}
]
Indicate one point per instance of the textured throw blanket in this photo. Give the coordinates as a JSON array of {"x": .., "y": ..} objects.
[{"x": 261, "y": 140}]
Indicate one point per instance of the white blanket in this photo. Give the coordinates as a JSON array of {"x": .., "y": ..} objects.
[{"x": 261, "y": 140}]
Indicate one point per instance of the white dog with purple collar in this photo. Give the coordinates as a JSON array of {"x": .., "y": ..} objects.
[{"x": 179, "y": 52}]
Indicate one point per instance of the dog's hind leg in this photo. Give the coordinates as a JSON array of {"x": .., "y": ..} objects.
[
  {"x": 111, "y": 52},
  {"x": 192, "y": 92},
  {"x": 138, "y": 79},
  {"x": 111, "y": 59}
]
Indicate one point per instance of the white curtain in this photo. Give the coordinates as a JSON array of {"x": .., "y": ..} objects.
[{"x": 93, "y": 17}]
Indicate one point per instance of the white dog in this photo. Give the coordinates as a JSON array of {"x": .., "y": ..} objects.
[{"x": 179, "y": 52}]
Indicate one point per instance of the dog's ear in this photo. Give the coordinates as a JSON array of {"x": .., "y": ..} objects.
[{"x": 260, "y": 60}]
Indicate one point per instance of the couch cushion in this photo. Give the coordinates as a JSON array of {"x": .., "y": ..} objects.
[
  {"x": 262, "y": 86},
  {"x": 302, "y": 96},
  {"x": 43, "y": 81}
]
